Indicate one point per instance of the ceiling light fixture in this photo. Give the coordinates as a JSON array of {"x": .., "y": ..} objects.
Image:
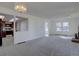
[{"x": 20, "y": 8}]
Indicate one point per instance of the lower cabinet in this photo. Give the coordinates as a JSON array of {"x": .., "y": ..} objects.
[{"x": 0, "y": 41}]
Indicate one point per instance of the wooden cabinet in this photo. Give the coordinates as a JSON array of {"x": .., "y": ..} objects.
[
  {"x": 6, "y": 28},
  {"x": 2, "y": 33},
  {"x": 9, "y": 28}
]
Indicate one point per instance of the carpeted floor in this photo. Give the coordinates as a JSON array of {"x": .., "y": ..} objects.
[{"x": 47, "y": 46}]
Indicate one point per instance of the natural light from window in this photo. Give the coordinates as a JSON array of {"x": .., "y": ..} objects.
[
  {"x": 46, "y": 29},
  {"x": 62, "y": 26}
]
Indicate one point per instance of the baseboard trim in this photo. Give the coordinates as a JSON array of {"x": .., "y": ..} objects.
[{"x": 21, "y": 42}]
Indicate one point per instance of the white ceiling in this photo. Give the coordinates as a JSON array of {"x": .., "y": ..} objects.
[{"x": 47, "y": 9}]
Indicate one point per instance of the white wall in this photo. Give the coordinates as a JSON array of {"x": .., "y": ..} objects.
[
  {"x": 36, "y": 30},
  {"x": 73, "y": 25},
  {"x": 36, "y": 27},
  {"x": 24, "y": 25}
]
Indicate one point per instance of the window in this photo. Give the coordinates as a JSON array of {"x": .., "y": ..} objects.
[
  {"x": 65, "y": 27},
  {"x": 62, "y": 27},
  {"x": 46, "y": 29},
  {"x": 58, "y": 25}
]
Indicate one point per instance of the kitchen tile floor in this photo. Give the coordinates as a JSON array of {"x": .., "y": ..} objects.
[{"x": 7, "y": 41}]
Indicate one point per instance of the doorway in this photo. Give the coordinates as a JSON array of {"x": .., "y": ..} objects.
[{"x": 6, "y": 30}]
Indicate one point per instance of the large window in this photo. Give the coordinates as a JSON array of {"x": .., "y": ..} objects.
[{"x": 62, "y": 26}]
